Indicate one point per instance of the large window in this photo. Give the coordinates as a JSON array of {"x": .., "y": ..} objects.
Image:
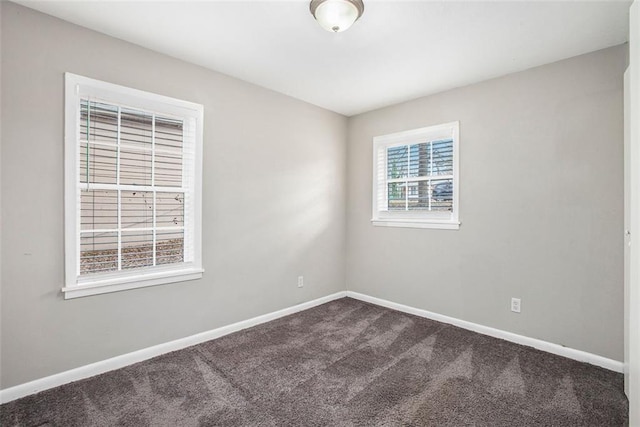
[
  {"x": 133, "y": 164},
  {"x": 415, "y": 178}
]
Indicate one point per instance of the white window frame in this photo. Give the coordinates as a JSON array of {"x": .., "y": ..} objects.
[
  {"x": 79, "y": 87},
  {"x": 413, "y": 219}
]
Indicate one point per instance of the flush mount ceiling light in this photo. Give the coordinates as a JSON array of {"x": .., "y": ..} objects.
[{"x": 336, "y": 15}]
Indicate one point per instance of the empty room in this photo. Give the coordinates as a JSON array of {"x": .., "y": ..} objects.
[{"x": 319, "y": 213}]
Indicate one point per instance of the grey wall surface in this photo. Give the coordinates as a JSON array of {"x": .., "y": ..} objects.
[
  {"x": 541, "y": 206},
  {"x": 273, "y": 206}
]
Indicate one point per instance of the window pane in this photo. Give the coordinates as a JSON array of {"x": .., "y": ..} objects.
[
  {"x": 137, "y": 209},
  {"x": 98, "y": 122},
  {"x": 98, "y": 163},
  {"x": 98, "y": 209},
  {"x": 168, "y": 169},
  {"x": 442, "y": 157},
  {"x": 169, "y": 134},
  {"x": 397, "y": 162},
  {"x": 98, "y": 252},
  {"x": 137, "y": 249},
  {"x": 418, "y": 195},
  {"x": 442, "y": 195},
  {"x": 169, "y": 247},
  {"x": 169, "y": 209},
  {"x": 396, "y": 196},
  {"x": 419, "y": 159},
  {"x": 135, "y": 167},
  {"x": 136, "y": 128},
  {"x": 120, "y": 141}
]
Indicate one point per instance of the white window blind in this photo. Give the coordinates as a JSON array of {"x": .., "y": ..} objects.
[
  {"x": 136, "y": 187},
  {"x": 415, "y": 181}
]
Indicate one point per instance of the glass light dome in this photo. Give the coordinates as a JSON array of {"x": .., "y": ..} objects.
[{"x": 336, "y": 15}]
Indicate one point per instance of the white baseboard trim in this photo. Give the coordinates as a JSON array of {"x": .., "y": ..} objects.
[
  {"x": 82, "y": 372},
  {"x": 26, "y": 389},
  {"x": 579, "y": 355}
]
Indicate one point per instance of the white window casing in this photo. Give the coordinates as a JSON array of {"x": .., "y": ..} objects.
[
  {"x": 416, "y": 178},
  {"x": 133, "y": 188}
]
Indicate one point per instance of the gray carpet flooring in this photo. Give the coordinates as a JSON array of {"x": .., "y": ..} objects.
[{"x": 344, "y": 363}]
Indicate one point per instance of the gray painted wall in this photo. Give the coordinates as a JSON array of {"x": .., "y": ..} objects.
[
  {"x": 273, "y": 208},
  {"x": 541, "y": 206}
]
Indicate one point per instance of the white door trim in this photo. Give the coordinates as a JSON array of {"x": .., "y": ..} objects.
[{"x": 632, "y": 296}]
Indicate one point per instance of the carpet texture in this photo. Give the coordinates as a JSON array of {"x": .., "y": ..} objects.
[{"x": 344, "y": 363}]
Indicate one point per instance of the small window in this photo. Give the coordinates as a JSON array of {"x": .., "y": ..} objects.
[
  {"x": 415, "y": 178},
  {"x": 133, "y": 171}
]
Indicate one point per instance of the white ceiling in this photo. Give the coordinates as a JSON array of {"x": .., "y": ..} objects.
[{"x": 398, "y": 50}]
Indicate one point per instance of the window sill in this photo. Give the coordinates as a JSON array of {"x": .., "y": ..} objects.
[
  {"x": 115, "y": 284},
  {"x": 407, "y": 223}
]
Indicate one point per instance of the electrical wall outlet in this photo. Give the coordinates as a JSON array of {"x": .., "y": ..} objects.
[
  {"x": 515, "y": 305},
  {"x": 300, "y": 281}
]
